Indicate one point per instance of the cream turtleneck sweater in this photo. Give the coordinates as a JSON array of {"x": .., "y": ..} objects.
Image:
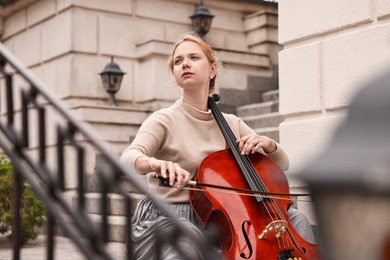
[{"x": 185, "y": 135}]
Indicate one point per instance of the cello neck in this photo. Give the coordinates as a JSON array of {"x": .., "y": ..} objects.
[
  {"x": 244, "y": 163},
  {"x": 223, "y": 125}
]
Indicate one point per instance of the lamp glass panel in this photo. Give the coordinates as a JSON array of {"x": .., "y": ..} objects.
[
  {"x": 205, "y": 23},
  {"x": 115, "y": 82},
  {"x": 105, "y": 80},
  {"x": 196, "y": 21}
]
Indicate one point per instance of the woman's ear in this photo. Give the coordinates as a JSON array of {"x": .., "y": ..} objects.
[{"x": 213, "y": 70}]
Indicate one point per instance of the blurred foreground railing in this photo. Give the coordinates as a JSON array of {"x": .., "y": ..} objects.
[{"x": 28, "y": 137}]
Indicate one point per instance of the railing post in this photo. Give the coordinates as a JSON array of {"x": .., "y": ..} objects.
[
  {"x": 50, "y": 223},
  {"x": 16, "y": 221}
]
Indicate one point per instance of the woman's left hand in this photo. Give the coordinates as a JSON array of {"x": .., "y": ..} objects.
[{"x": 253, "y": 143}]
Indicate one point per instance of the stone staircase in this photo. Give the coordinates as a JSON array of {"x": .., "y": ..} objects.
[
  {"x": 117, "y": 215},
  {"x": 262, "y": 117},
  {"x": 116, "y": 209}
]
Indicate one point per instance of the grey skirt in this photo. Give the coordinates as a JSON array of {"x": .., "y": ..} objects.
[
  {"x": 148, "y": 218},
  {"x": 149, "y": 244}
]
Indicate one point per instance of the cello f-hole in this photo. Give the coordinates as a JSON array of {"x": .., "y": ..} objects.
[
  {"x": 248, "y": 242},
  {"x": 302, "y": 250}
]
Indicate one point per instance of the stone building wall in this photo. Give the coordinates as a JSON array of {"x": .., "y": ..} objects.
[
  {"x": 67, "y": 43},
  {"x": 330, "y": 49}
]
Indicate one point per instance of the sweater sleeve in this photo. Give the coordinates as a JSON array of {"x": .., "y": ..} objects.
[
  {"x": 147, "y": 141},
  {"x": 280, "y": 157}
]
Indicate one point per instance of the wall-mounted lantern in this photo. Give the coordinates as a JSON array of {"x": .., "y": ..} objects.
[
  {"x": 112, "y": 78},
  {"x": 201, "y": 20}
]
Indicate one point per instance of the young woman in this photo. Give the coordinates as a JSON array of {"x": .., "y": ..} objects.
[{"x": 173, "y": 141}]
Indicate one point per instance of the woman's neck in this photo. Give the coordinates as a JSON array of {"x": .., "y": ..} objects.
[{"x": 197, "y": 100}]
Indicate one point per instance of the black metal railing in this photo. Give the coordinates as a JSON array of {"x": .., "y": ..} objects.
[{"x": 39, "y": 126}]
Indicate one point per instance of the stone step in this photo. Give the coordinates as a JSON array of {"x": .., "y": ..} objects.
[
  {"x": 116, "y": 203},
  {"x": 272, "y": 95},
  {"x": 258, "y": 109},
  {"x": 92, "y": 181},
  {"x": 271, "y": 132},
  {"x": 263, "y": 121},
  {"x": 117, "y": 227},
  {"x": 117, "y": 215}
]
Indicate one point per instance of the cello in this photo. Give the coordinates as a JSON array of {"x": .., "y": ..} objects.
[{"x": 248, "y": 227}]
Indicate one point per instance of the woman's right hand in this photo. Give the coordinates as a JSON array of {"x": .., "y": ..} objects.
[{"x": 178, "y": 177}]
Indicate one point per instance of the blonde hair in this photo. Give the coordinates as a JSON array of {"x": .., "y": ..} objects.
[{"x": 210, "y": 54}]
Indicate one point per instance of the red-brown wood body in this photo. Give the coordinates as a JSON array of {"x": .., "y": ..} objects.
[{"x": 230, "y": 212}]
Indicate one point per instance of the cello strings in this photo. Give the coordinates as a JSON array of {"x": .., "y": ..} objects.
[
  {"x": 252, "y": 177},
  {"x": 243, "y": 161},
  {"x": 272, "y": 206}
]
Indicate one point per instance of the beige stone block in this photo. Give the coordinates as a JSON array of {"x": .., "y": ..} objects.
[
  {"x": 116, "y": 6},
  {"x": 154, "y": 48},
  {"x": 352, "y": 59},
  {"x": 172, "y": 32},
  {"x": 14, "y": 23},
  {"x": 152, "y": 65},
  {"x": 260, "y": 19},
  {"x": 87, "y": 82},
  {"x": 302, "y": 18},
  {"x": 56, "y": 75},
  {"x": 226, "y": 20},
  {"x": 9, "y": 44},
  {"x": 157, "y": 9},
  {"x": 56, "y": 36},
  {"x": 263, "y": 34},
  {"x": 119, "y": 133},
  {"x": 106, "y": 115},
  {"x": 231, "y": 78},
  {"x": 271, "y": 49},
  {"x": 159, "y": 83},
  {"x": 149, "y": 30},
  {"x": 84, "y": 29},
  {"x": 229, "y": 40},
  {"x": 116, "y": 36},
  {"x": 39, "y": 11},
  {"x": 63, "y": 4},
  {"x": 299, "y": 79},
  {"x": 383, "y": 8},
  {"x": 305, "y": 138},
  {"x": 243, "y": 58},
  {"x": 31, "y": 55}
]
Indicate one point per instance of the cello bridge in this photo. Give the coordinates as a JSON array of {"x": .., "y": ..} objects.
[{"x": 277, "y": 226}]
